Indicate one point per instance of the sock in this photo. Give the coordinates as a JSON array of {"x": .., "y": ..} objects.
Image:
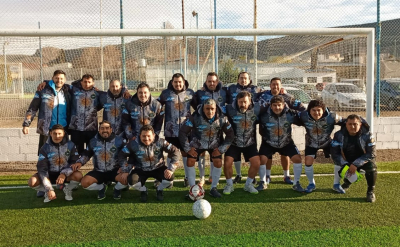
[
  {"x": 120, "y": 186},
  {"x": 72, "y": 185},
  {"x": 309, "y": 171},
  {"x": 164, "y": 184},
  {"x": 202, "y": 166},
  {"x": 336, "y": 177},
  {"x": 191, "y": 175},
  {"x": 238, "y": 166},
  {"x": 136, "y": 186},
  {"x": 249, "y": 181},
  {"x": 142, "y": 188},
  {"x": 286, "y": 173},
  {"x": 268, "y": 172},
  {"x": 262, "y": 172},
  {"x": 40, "y": 187},
  {"x": 229, "y": 181},
  {"x": 211, "y": 167},
  {"x": 297, "y": 168},
  {"x": 184, "y": 160},
  {"x": 95, "y": 186},
  {"x": 216, "y": 174}
]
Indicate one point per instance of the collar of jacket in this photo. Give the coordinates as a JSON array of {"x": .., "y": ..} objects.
[
  {"x": 219, "y": 86},
  {"x": 108, "y": 139},
  {"x": 245, "y": 87}
]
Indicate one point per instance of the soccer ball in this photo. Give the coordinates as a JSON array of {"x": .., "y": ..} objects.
[
  {"x": 196, "y": 192},
  {"x": 201, "y": 209}
]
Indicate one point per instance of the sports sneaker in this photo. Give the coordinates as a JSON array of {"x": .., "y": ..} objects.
[
  {"x": 237, "y": 179},
  {"x": 338, "y": 189},
  {"x": 102, "y": 193},
  {"x": 171, "y": 185},
  {"x": 214, "y": 193},
  {"x": 346, "y": 185},
  {"x": 143, "y": 196},
  {"x": 68, "y": 194},
  {"x": 160, "y": 195},
  {"x": 310, "y": 188},
  {"x": 40, "y": 193},
  {"x": 156, "y": 183},
  {"x": 250, "y": 188},
  {"x": 185, "y": 182},
  {"x": 262, "y": 186},
  {"x": 228, "y": 189},
  {"x": 202, "y": 181},
  {"x": 288, "y": 180},
  {"x": 254, "y": 181},
  {"x": 371, "y": 197},
  {"x": 46, "y": 198},
  {"x": 268, "y": 178},
  {"x": 117, "y": 194},
  {"x": 297, "y": 187}
]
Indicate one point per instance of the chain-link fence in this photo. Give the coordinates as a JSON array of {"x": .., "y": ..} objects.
[{"x": 329, "y": 67}]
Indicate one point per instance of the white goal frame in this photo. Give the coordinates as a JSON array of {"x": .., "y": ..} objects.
[{"x": 369, "y": 32}]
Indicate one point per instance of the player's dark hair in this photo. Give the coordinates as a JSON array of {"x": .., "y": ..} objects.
[
  {"x": 243, "y": 94},
  {"x": 178, "y": 75},
  {"x": 354, "y": 116},
  {"x": 59, "y": 72},
  {"x": 213, "y": 74},
  {"x": 113, "y": 80},
  {"x": 141, "y": 85},
  {"x": 275, "y": 79},
  {"x": 243, "y": 72},
  {"x": 277, "y": 99},
  {"x": 88, "y": 76},
  {"x": 105, "y": 122},
  {"x": 316, "y": 103},
  {"x": 57, "y": 127},
  {"x": 147, "y": 127}
]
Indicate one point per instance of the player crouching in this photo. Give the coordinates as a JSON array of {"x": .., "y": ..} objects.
[
  {"x": 54, "y": 165},
  {"x": 146, "y": 155}
]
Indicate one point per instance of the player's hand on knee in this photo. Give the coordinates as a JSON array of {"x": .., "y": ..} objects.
[
  {"x": 124, "y": 178},
  {"x": 76, "y": 166},
  {"x": 168, "y": 174},
  {"x": 216, "y": 153},
  {"x": 192, "y": 152},
  {"x": 352, "y": 169},
  {"x": 51, "y": 195},
  {"x": 61, "y": 178}
]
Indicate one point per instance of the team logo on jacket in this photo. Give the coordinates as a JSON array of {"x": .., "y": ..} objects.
[
  {"x": 187, "y": 98},
  {"x": 122, "y": 106},
  {"x": 67, "y": 153},
  {"x": 286, "y": 125},
  {"x": 140, "y": 154},
  {"x": 46, "y": 96},
  {"x": 253, "y": 118},
  {"x": 152, "y": 114},
  {"x": 236, "y": 119},
  {"x": 202, "y": 127},
  {"x": 134, "y": 114},
  {"x": 325, "y": 126},
  {"x": 170, "y": 98},
  {"x": 107, "y": 106},
  {"x": 36, "y": 96},
  {"x": 93, "y": 96},
  {"x": 41, "y": 157},
  {"x": 96, "y": 149},
  {"x": 156, "y": 151},
  {"x": 205, "y": 97},
  {"x": 50, "y": 155},
  {"x": 220, "y": 99},
  {"x": 113, "y": 149}
]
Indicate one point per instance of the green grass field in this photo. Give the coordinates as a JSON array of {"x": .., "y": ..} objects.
[{"x": 278, "y": 216}]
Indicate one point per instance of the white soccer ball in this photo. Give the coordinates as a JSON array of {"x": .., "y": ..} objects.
[
  {"x": 196, "y": 192},
  {"x": 201, "y": 209}
]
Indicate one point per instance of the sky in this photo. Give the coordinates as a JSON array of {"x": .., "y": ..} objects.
[{"x": 81, "y": 14}]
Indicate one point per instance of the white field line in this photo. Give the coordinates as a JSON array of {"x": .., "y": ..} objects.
[{"x": 181, "y": 180}]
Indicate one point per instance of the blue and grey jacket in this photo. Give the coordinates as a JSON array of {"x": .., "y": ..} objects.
[
  {"x": 234, "y": 90},
  {"x": 318, "y": 132},
  {"x": 56, "y": 157},
  {"x": 84, "y": 108},
  {"x": 113, "y": 108},
  {"x": 206, "y": 133},
  {"x": 366, "y": 142},
  {"x": 150, "y": 157},
  {"x": 244, "y": 124},
  {"x": 54, "y": 108},
  {"x": 136, "y": 114},
  {"x": 176, "y": 108},
  {"x": 219, "y": 95},
  {"x": 104, "y": 153},
  {"x": 292, "y": 103},
  {"x": 276, "y": 130}
]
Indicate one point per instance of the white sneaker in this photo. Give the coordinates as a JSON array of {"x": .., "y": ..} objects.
[
  {"x": 46, "y": 198},
  {"x": 68, "y": 194},
  {"x": 250, "y": 188},
  {"x": 228, "y": 189}
]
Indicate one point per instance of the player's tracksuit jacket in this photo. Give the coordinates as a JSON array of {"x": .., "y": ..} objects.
[
  {"x": 365, "y": 141},
  {"x": 113, "y": 107},
  {"x": 206, "y": 133},
  {"x": 176, "y": 108},
  {"x": 84, "y": 108},
  {"x": 292, "y": 103},
  {"x": 276, "y": 130},
  {"x": 104, "y": 153},
  {"x": 56, "y": 157},
  {"x": 44, "y": 101},
  {"x": 136, "y": 114},
  {"x": 150, "y": 157},
  {"x": 318, "y": 132},
  {"x": 244, "y": 124},
  {"x": 219, "y": 95},
  {"x": 234, "y": 90}
]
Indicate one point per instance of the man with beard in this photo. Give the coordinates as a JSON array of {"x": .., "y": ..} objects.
[
  {"x": 104, "y": 149},
  {"x": 147, "y": 155},
  {"x": 276, "y": 89},
  {"x": 176, "y": 99},
  {"x": 207, "y": 125},
  {"x": 212, "y": 89},
  {"x": 244, "y": 83},
  {"x": 54, "y": 166},
  {"x": 243, "y": 115}
]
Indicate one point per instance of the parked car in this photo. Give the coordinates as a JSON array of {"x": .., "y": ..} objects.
[
  {"x": 390, "y": 93},
  {"x": 358, "y": 82},
  {"x": 344, "y": 95},
  {"x": 297, "y": 93}
]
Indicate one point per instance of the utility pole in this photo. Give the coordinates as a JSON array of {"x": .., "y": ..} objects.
[
  {"x": 255, "y": 44},
  {"x": 123, "y": 45}
]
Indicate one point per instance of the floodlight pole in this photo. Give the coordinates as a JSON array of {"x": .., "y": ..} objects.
[
  {"x": 41, "y": 57},
  {"x": 255, "y": 45},
  {"x": 215, "y": 37},
  {"x": 123, "y": 46},
  {"x": 195, "y": 14},
  {"x": 378, "y": 60},
  {"x": 101, "y": 48}
]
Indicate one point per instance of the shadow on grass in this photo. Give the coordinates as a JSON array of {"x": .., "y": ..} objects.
[{"x": 163, "y": 218}]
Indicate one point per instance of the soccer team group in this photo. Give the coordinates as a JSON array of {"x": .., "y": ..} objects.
[{"x": 126, "y": 148}]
